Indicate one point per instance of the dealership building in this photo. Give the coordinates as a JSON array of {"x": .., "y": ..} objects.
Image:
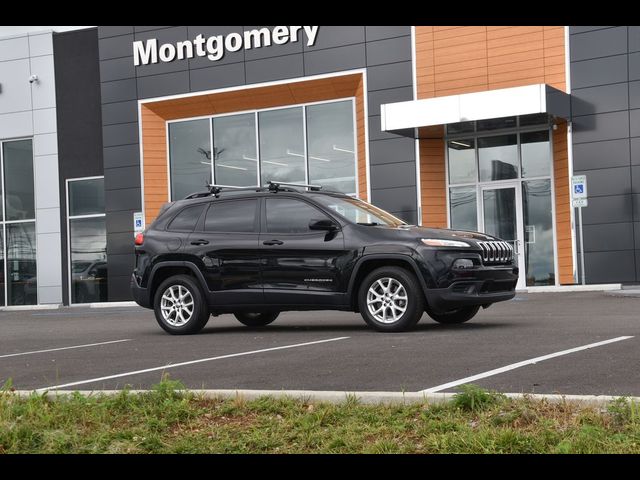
[{"x": 476, "y": 127}]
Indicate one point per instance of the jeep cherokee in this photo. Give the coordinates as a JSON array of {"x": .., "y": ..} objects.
[{"x": 256, "y": 252}]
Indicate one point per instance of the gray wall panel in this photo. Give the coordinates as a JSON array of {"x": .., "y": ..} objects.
[
  {"x": 218, "y": 76},
  {"x": 116, "y": 69},
  {"x": 120, "y": 112},
  {"x": 634, "y": 66},
  {"x": 125, "y": 199},
  {"x": 392, "y": 95},
  {"x": 610, "y": 236},
  {"x": 121, "y": 134},
  {"x": 379, "y": 32},
  {"x": 601, "y": 99},
  {"x": 106, "y": 31},
  {"x": 120, "y": 244},
  {"x": 635, "y": 199},
  {"x": 634, "y": 123},
  {"x": 120, "y": 222},
  {"x": 636, "y": 234},
  {"x": 334, "y": 59},
  {"x": 336, "y": 36},
  {"x": 613, "y": 209},
  {"x": 119, "y": 91},
  {"x": 584, "y": 28},
  {"x": 635, "y": 179},
  {"x": 634, "y": 38},
  {"x": 610, "y": 267},
  {"x": 389, "y": 76},
  {"x": 278, "y": 68},
  {"x": 635, "y": 151},
  {"x": 123, "y": 177},
  {"x": 603, "y": 126},
  {"x": 229, "y": 57},
  {"x": 119, "y": 290},
  {"x": 606, "y": 154},
  {"x": 395, "y": 199},
  {"x": 389, "y": 51},
  {"x": 121, "y": 265},
  {"x": 169, "y": 35},
  {"x": 147, "y": 28},
  {"x": 274, "y": 50},
  {"x": 607, "y": 181},
  {"x": 601, "y": 71},
  {"x": 599, "y": 43},
  {"x": 160, "y": 85},
  {"x": 392, "y": 151},
  {"x": 122, "y": 156},
  {"x": 393, "y": 175},
  {"x": 115, "y": 47},
  {"x": 634, "y": 94}
]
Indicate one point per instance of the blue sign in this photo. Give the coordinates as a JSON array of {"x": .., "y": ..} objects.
[{"x": 579, "y": 188}]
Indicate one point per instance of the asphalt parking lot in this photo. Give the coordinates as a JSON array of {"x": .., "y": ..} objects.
[{"x": 589, "y": 344}]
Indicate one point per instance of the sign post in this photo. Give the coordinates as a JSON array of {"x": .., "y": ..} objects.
[{"x": 579, "y": 200}]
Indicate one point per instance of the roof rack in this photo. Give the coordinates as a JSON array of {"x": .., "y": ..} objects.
[{"x": 275, "y": 186}]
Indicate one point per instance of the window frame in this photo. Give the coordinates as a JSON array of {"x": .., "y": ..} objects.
[
  {"x": 76, "y": 217},
  {"x": 255, "y": 112}
]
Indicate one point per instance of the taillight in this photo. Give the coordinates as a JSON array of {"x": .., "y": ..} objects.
[{"x": 139, "y": 239}]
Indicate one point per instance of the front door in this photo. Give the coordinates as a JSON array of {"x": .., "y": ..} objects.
[
  {"x": 300, "y": 266},
  {"x": 501, "y": 216}
]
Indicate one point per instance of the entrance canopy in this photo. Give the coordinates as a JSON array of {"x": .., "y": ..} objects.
[{"x": 505, "y": 102}]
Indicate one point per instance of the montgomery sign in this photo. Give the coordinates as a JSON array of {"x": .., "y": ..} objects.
[{"x": 215, "y": 46}]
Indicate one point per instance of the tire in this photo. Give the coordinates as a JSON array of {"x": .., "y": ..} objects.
[
  {"x": 258, "y": 319},
  {"x": 372, "y": 287},
  {"x": 165, "y": 297},
  {"x": 460, "y": 315}
]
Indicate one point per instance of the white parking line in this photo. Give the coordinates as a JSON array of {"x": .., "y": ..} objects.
[
  {"x": 64, "y": 348},
  {"x": 513, "y": 366},
  {"x": 182, "y": 364}
]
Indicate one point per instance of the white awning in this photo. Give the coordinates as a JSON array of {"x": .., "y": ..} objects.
[{"x": 505, "y": 102}]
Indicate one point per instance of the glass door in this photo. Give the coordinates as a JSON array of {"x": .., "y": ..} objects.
[{"x": 501, "y": 216}]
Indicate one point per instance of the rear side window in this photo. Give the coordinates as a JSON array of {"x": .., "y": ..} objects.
[
  {"x": 237, "y": 216},
  {"x": 286, "y": 215},
  {"x": 187, "y": 219}
]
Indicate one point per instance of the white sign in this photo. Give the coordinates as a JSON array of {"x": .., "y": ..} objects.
[
  {"x": 579, "y": 186},
  {"x": 138, "y": 223},
  {"x": 215, "y": 46},
  {"x": 580, "y": 202}
]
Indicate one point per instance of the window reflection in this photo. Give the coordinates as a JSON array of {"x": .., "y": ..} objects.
[
  {"x": 331, "y": 146},
  {"x": 18, "y": 180},
  {"x": 462, "y": 161},
  {"x": 22, "y": 283},
  {"x": 538, "y": 241},
  {"x": 498, "y": 157},
  {"x": 190, "y": 157},
  {"x": 234, "y": 145},
  {"x": 463, "y": 208},
  {"x": 536, "y": 154},
  {"x": 88, "y": 260},
  {"x": 86, "y": 197},
  {"x": 282, "y": 145}
]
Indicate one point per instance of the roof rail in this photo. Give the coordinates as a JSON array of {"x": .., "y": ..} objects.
[{"x": 275, "y": 186}]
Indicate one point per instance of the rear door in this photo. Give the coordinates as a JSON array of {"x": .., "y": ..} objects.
[
  {"x": 226, "y": 242},
  {"x": 300, "y": 266}
]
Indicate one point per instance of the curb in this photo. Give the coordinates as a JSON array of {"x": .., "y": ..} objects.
[{"x": 339, "y": 397}]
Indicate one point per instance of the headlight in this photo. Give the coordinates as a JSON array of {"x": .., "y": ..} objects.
[{"x": 437, "y": 242}]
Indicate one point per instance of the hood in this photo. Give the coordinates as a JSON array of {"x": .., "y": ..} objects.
[{"x": 413, "y": 231}]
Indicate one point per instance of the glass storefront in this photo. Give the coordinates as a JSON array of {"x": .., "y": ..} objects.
[
  {"x": 87, "y": 240},
  {"x": 499, "y": 180},
  {"x": 301, "y": 144},
  {"x": 19, "y": 283}
]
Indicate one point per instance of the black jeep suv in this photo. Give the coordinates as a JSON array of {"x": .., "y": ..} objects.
[{"x": 256, "y": 252}]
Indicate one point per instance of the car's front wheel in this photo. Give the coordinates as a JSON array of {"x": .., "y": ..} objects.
[
  {"x": 459, "y": 315},
  {"x": 391, "y": 300},
  {"x": 259, "y": 319},
  {"x": 180, "y": 306}
]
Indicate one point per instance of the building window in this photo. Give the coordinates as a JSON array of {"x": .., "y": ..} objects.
[
  {"x": 18, "y": 232},
  {"x": 87, "y": 240},
  {"x": 312, "y": 143}
]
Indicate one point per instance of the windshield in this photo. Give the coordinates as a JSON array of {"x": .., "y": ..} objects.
[{"x": 357, "y": 211}]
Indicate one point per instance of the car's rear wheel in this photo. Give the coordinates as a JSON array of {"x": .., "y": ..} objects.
[
  {"x": 390, "y": 299},
  {"x": 459, "y": 315},
  {"x": 257, "y": 319},
  {"x": 180, "y": 306}
]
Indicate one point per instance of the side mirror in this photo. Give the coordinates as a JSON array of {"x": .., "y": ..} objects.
[{"x": 324, "y": 224}]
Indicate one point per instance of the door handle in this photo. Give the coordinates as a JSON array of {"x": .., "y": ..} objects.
[
  {"x": 273, "y": 242},
  {"x": 200, "y": 242}
]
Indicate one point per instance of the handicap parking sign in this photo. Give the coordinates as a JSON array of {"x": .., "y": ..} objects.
[
  {"x": 579, "y": 188},
  {"x": 579, "y": 184}
]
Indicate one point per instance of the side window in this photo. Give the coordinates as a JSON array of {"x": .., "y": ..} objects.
[
  {"x": 187, "y": 219},
  {"x": 235, "y": 216},
  {"x": 285, "y": 215}
]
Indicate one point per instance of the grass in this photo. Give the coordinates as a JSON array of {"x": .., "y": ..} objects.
[{"x": 169, "y": 419}]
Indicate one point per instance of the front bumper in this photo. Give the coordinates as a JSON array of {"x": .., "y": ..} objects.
[
  {"x": 478, "y": 286},
  {"x": 140, "y": 294}
]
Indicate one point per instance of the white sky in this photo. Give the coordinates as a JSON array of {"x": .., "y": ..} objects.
[{"x": 15, "y": 30}]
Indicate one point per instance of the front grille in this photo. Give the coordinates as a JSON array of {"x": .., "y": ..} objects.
[{"x": 496, "y": 253}]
